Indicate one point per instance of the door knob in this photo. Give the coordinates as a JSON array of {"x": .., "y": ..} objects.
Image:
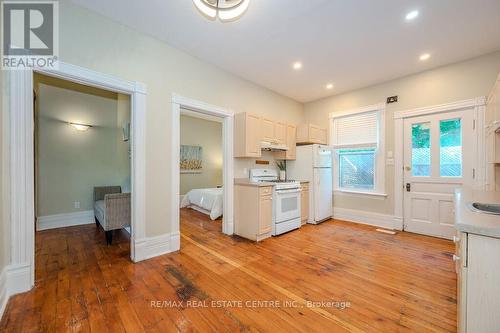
[{"x": 408, "y": 168}]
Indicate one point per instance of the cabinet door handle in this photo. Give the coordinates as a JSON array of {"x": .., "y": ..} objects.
[{"x": 456, "y": 258}]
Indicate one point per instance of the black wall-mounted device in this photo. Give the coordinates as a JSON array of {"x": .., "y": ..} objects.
[{"x": 392, "y": 99}]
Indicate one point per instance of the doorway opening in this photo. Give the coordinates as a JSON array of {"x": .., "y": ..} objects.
[
  {"x": 82, "y": 166},
  {"x": 442, "y": 149},
  {"x": 22, "y": 162},
  {"x": 201, "y": 171},
  {"x": 438, "y": 159},
  {"x": 217, "y": 190}
]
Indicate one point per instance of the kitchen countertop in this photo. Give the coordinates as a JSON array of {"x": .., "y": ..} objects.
[
  {"x": 247, "y": 182},
  {"x": 472, "y": 222}
]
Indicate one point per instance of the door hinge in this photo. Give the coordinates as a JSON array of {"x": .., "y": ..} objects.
[
  {"x": 473, "y": 173},
  {"x": 474, "y": 124}
]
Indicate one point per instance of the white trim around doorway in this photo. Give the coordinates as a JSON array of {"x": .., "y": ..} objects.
[
  {"x": 19, "y": 95},
  {"x": 179, "y": 102},
  {"x": 479, "y": 162}
]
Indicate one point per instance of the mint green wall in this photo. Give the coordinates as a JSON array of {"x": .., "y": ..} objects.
[{"x": 69, "y": 162}]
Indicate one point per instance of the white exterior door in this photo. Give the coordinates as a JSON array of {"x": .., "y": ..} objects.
[{"x": 437, "y": 159}]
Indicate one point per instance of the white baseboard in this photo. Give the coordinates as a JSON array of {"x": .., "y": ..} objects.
[
  {"x": 4, "y": 296},
  {"x": 175, "y": 241},
  {"x": 18, "y": 279},
  {"x": 364, "y": 217},
  {"x": 64, "y": 220},
  {"x": 13, "y": 280},
  {"x": 150, "y": 247}
]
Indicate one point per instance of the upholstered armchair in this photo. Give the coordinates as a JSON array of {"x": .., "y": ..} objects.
[{"x": 111, "y": 209}]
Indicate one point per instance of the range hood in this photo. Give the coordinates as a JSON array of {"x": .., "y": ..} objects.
[{"x": 273, "y": 146}]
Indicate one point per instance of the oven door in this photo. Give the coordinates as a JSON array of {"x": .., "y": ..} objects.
[{"x": 287, "y": 205}]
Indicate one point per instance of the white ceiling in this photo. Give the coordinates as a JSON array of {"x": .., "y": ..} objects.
[{"x": 351, "y": 43}]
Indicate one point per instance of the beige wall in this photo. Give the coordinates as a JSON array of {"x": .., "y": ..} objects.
[
  {"x": 451, "y": 83},
  {"x": 92, "y": 41},
  {"x": 4, "y": 239},
  {"x": 70, "y": 162},
  {"x": 208, "y": 135}
]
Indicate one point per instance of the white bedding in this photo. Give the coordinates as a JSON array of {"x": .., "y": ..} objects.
[{"x": 209, "y": 199}]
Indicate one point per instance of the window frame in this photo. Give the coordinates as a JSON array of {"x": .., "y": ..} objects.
[{"x": 379, "y": 167}]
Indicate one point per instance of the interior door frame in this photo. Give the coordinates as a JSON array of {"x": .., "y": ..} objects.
[
  {"x": 478, "y": 107},
  {"x": 227, "y": 115},
  {"x": 19, "y": 84}
]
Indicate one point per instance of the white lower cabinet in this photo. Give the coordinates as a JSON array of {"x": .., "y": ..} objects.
[{"x": 478, "y": 283}]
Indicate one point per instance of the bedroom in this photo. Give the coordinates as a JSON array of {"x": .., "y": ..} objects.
[
  {"x": 201, "y": 167},
  {"x": 82, "y": 165}
]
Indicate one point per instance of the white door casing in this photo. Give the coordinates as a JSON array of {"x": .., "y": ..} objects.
[
  {"x": 475, "y": 105},
  {"x": 22, "y": 214},
  {"x": 429, "y": 188},
  {"x": 179, "y": 102}
]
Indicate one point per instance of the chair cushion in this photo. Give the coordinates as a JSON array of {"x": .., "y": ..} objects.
[{"x": 100, "y": 211}]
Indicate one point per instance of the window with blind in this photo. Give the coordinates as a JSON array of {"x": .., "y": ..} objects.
[{"x": 359, "y": 158}]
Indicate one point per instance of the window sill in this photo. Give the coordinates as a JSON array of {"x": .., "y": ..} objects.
[{"x": 361, "y": 193}]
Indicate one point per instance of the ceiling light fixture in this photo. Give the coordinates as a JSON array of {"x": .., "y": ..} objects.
[
  {"x": 412, "y": 15},
  {"x": 226, "y": 10},
  {"x": 329, "y": 86},
  {"x": 425, "y": 57},
  {"x": 80, "y": 127},
  {"x": 297, "y": 65}
]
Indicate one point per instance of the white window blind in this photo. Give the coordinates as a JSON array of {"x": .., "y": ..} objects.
[{"x": 359, "y": 130}]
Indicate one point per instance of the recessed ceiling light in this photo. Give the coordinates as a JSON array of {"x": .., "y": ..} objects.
[
  {"x": 425, "y": 56},
  {"x": 412, "y": 15},
  {"x": 297, "y": 65},
  {"x": 329, "y": 86}
]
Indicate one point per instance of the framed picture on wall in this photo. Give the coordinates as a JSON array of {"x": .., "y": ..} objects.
[{"x": 191, "y": 158}]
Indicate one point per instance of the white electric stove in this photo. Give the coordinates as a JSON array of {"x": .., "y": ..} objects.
[{"x": 286, "y": 200}]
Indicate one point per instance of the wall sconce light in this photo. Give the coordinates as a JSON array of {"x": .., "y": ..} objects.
[{"x": 80, "y": 127}]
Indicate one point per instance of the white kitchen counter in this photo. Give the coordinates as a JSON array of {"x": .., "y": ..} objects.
[
  {"x": 247, "y": 182},
  {"x": 475, "y": 222}
]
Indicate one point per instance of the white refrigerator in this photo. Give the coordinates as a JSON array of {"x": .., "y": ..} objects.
[{"x": 314, "y": 164}]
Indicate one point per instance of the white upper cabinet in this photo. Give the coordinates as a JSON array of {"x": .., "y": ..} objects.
[{"x": 309, "y": 133}]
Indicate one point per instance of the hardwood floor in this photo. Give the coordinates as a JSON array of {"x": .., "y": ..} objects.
[{"x": 381, "y": 283}]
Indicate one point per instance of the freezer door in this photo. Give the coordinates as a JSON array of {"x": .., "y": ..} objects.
[
  {"x": 323, "y": 194},
  {"x": 322, "y": 156}
]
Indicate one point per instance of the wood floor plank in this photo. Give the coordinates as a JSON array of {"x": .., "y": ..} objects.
[{"x": 393, "y": 283}]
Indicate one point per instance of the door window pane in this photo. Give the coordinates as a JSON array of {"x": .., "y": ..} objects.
[
  {"x": 357, "y": 168},
  {"x": 421, "y": 149},
  {"x": 450, "y": 148}
]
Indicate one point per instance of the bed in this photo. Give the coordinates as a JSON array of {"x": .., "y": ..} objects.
[{"x": 205, "y": 200}]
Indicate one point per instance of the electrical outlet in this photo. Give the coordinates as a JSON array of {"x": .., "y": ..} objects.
[{"x": 77, "y": 204}]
